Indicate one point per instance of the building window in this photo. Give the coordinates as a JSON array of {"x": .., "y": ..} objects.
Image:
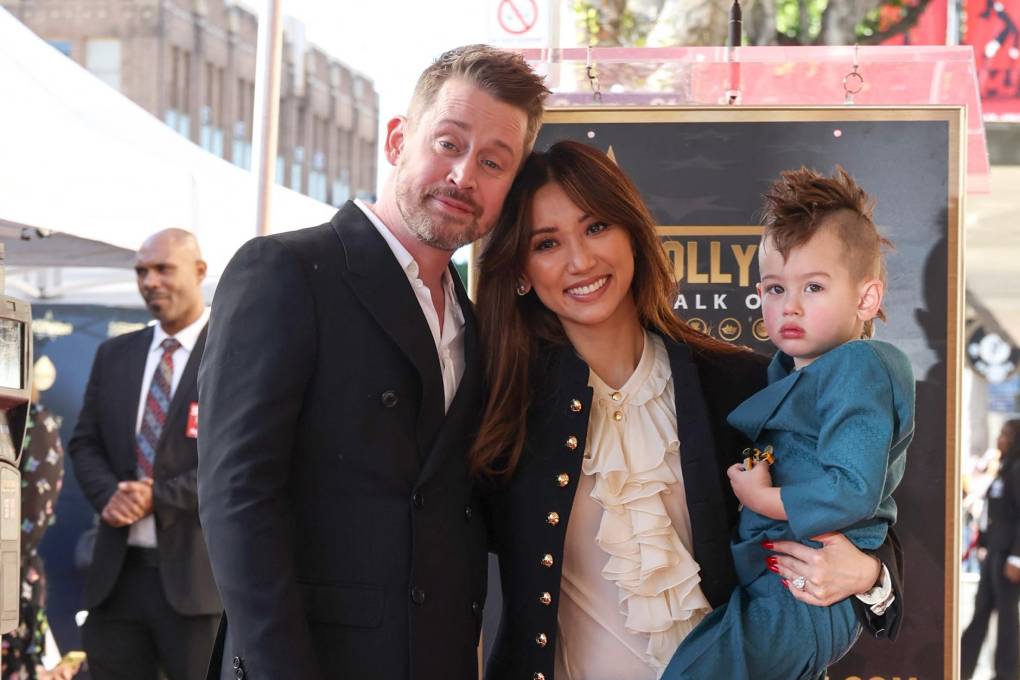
[
  {"x": 177, "y": 114},
  {"x": 317, "y": 177},
  {"x": 342, "y": 188},
  {"x": 102, "y": 59},
  {"x": 243, "y": 124},
  {"x": 298, "y": 159},
  {"x": 211, "y": 132},
  {"x": 317, "y": 182},
  {"x": 62, "y": 46}
]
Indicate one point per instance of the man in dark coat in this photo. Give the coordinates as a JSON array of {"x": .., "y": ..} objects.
[
  {"x": 152, "y": 602},
  {"x": 340, "y": 394},
  {"x": 999, "y": 588}
]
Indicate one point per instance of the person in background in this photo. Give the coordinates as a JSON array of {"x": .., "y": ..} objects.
[
  {"x": 153, "y": 605},
  {"x": 999, "y": 588},
  {"x": 42, "y": 475}
]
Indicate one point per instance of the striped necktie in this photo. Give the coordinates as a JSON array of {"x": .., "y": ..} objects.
[{"x": 157, "y": 405}]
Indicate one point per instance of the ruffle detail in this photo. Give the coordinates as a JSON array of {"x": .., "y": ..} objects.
[{"x": 656, "y": 576}]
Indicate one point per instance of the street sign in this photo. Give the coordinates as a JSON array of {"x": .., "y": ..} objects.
[{"x": 519, "y": 23}]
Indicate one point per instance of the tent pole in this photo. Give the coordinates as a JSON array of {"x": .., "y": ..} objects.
[{"x": 266, "y": 114}]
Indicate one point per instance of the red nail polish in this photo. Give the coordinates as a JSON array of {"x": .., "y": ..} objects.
[
  {"x": 774, "y": 569},
  {"x": 771, "y": 560},
  {"x": 767, "y": 545},
  {"x": 786, "y": 584}
]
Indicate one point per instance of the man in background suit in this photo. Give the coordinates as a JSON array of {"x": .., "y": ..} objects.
[
  {"x": 152, "y": 602},
  {"x": 340, "y": 394}
]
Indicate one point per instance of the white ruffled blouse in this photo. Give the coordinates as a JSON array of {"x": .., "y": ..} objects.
[{"x": 630, "y": 590}]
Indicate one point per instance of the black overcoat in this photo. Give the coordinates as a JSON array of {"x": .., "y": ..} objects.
[{"x": 334, "y": 494}]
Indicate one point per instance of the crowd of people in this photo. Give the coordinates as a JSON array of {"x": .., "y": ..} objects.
[{"x": 656, "y": 498}]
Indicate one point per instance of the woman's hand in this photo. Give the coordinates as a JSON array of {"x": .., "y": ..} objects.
[{"x": 831, "y": 573}]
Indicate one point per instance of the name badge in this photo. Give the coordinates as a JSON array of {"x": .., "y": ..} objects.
[{"x": 192, "y": 428}]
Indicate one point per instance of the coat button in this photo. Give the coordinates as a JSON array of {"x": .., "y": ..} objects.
[
  {"x": 545, "y": 598},
  {"x": 476, "y": 607},
  {"x": 618, "y": 416},
  {"x": 576, "y": 405},
  {"x": 237, "y": 662},
  {"x": 571, "y": 442},
  {"x": 552, "y": 519},
  {"x": 468, "y": 512},
  {"x": 389, "y": 398},
  {"x": 563, "y": 479},
  {"x": 547, "y": 560},
  {"x": 616, "y": 396},
  {"x": 541, "y": 640},
  {"x": 538, "y": 676},
  {"x": 417, "y": 595},
  {"x": 418, "y": 500},
  {"x": 239, "y": 673}
]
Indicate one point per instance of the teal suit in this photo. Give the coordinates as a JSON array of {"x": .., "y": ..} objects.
[{"x": 840, "y": 428}]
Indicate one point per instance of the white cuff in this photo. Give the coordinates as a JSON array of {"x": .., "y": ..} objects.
[
  {"x": 1014, "y": 560},
  {"x": 881, "y": 596}
]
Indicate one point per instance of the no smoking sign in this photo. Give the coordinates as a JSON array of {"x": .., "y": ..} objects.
[
  {"x": 517, "y": 17},
  {"x": 519, "y": 22}
]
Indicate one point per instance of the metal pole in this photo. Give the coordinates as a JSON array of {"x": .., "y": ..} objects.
[
  {"x": 733, "y": 39},
  {"x": 266, "y": 113}
]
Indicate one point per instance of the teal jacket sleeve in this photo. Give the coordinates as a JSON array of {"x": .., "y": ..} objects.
[{"x": 854, "y": 397}]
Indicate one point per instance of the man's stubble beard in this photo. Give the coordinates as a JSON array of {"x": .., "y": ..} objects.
[{"x": 426, "y": 227}]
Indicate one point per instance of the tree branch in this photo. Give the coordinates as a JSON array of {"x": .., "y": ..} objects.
[{"x": 909, "y": 19}]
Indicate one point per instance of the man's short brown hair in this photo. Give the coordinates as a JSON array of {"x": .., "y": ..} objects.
[
  {"x": 802, "y": 202},
  {"x": 504, "y": 75}
]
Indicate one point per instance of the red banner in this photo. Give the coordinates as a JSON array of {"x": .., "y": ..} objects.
[
  {"x": 993, "y": 28},
  {"x": 930, "y": 28}
]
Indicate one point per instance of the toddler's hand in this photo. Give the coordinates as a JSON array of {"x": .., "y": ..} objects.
[{"x": 747, "y": 484}]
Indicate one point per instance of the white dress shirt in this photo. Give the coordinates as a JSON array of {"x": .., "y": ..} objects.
[
  {"x": 449, "y": 337},
  {"x": 143, "y": 532}
]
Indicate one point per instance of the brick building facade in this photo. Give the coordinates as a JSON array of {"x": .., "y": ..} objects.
[{"x": 191, "y": 63}]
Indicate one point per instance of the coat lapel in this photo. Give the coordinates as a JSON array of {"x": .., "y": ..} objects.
[
  {"x": 185, "y": 387},
  {"x": 382, "y": 288},
  {"x": 752, "y": 415},
  {"x": 465, "y": 410},
  {"x": 134, "y": 370},
  {"x": 697, "y": 445}
]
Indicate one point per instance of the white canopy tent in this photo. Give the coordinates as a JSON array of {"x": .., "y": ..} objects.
[{"x": 86, "y": 175}]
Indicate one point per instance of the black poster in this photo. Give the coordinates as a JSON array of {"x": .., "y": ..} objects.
[{"x": 702, "y": 173}]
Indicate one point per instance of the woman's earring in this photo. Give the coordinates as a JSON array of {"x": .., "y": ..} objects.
[{"x": 523, "y": 289}]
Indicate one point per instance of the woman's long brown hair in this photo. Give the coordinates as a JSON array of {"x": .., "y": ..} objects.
[{"x": 513, "y": 328}]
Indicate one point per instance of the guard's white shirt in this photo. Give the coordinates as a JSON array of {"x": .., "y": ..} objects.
[
  {"x": 449, "y": 338},
  {"x": 143, "y": 532}
]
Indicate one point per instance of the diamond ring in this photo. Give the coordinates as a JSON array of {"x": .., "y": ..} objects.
[{"x": 799, "y": 582}]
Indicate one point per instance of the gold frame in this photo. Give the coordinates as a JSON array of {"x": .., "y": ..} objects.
[{"x": 955, "y": 117}]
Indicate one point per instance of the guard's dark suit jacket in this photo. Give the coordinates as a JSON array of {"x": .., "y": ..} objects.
[
  {"x": 530, "y": 546},
  {"x": 333, "y": 491},
  {"x": 1002, "y": 535},
  {"x": 102, "y": 450}
]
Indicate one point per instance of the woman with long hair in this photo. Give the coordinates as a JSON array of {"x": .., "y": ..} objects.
[{"x": 604, "y": 440}]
